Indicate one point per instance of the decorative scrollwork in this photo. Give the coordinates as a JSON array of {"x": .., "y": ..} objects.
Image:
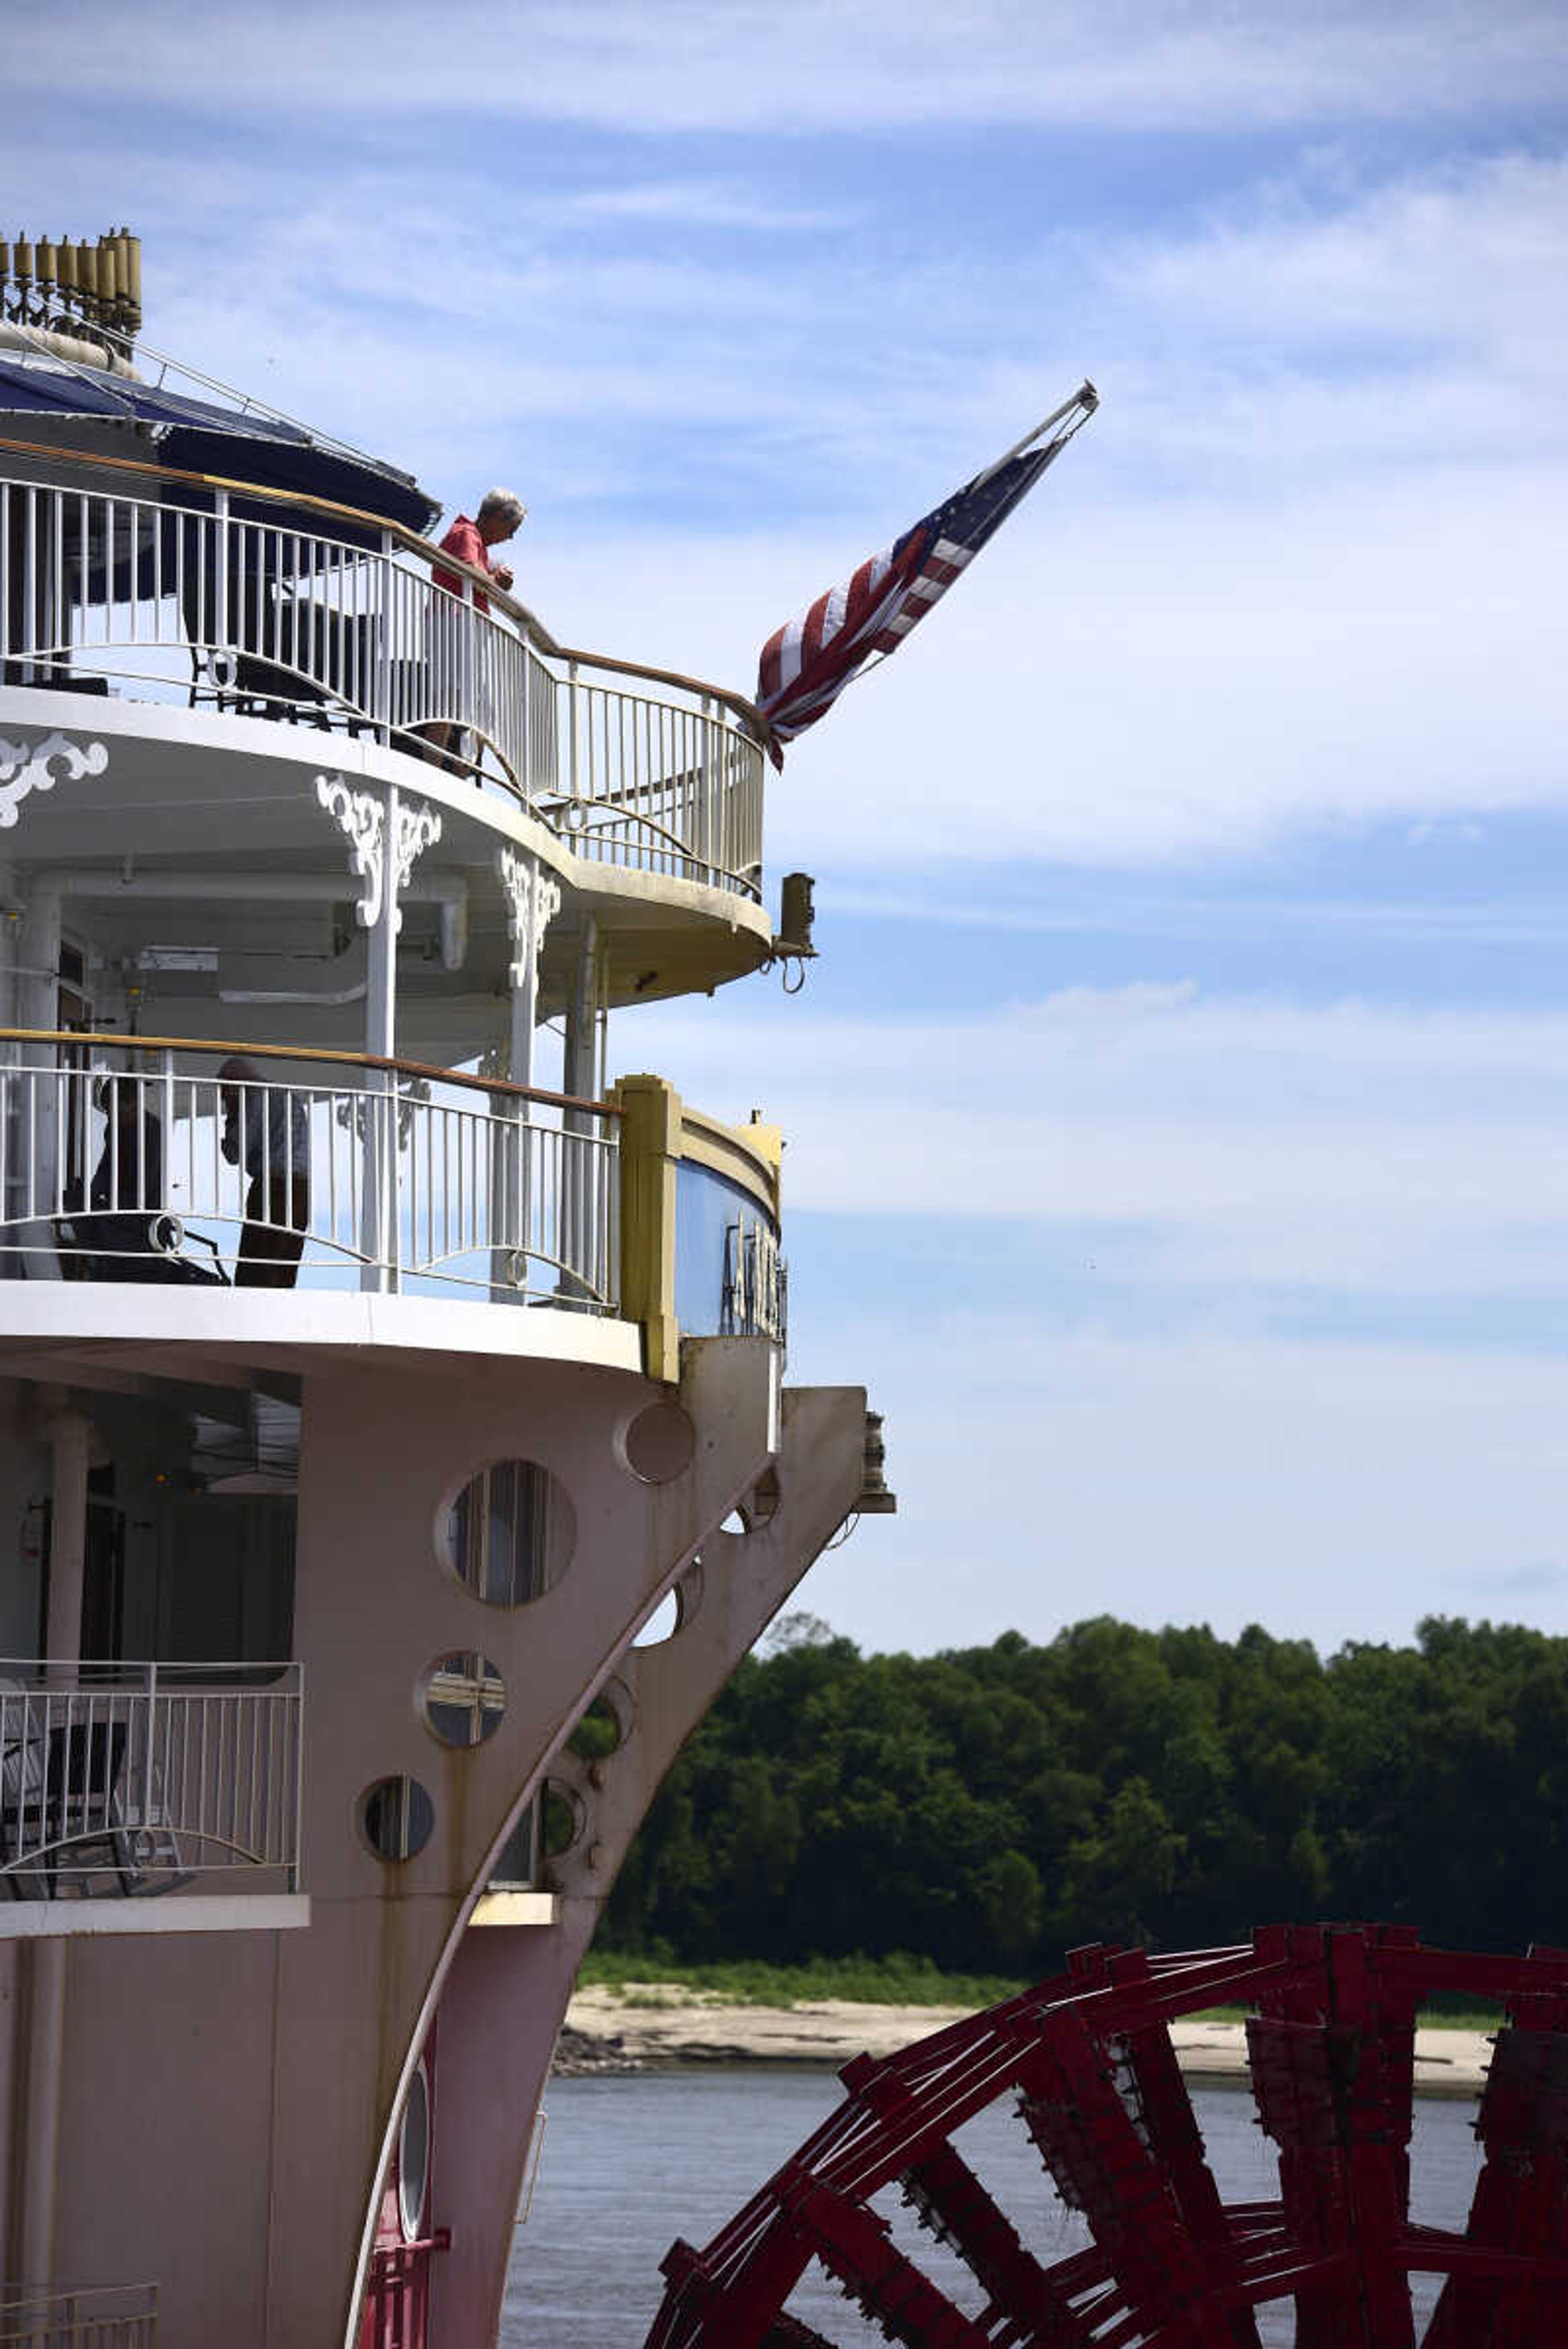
[
  {"x": 217, "y": 670},
  {"x": 26, "y": 767},
  {"x": 351, "y": 1108},
  {"x": 361, "y": 818},
  {"x": 533, "y": 899},
  {"x": 418, "y": 828}
]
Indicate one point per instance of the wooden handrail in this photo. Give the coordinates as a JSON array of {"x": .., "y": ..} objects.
[
  {"x": 383, "y": 1064},
  {"x": 411, "y": 542}
]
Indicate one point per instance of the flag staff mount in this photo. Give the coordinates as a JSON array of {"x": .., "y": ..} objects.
[{"x": 1085, "y": 397}]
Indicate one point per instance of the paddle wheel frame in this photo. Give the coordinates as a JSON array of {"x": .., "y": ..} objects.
[{"x": 1171, "y": 2265}]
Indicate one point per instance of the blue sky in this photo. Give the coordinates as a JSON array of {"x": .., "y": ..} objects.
[{"x": 1177, "y": 1114}]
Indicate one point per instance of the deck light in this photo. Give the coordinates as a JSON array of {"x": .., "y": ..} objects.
[{"x": 797, "y": 915}]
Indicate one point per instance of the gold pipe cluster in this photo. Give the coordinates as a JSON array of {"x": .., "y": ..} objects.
[{"x": 64, "y": 288}]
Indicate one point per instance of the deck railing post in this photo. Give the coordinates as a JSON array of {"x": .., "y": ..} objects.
[
  {"x": 221, "y": 572},
  {"x": 150, "y": 1743},
  {"x": 165, "y": 1184},
  {"x": 296, "y": 1759},
  {"x": 526, "y": 729},
  {"x": 387, "y": 576},
  {"x": 707, "y": 827}
]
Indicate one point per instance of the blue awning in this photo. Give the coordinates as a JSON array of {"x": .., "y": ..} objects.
[{"x": 201, "y": 437}]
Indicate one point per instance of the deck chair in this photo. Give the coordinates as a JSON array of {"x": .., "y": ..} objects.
[
  {"x": 21, "y": 1793},
  {"x": 59, "y": 1799}
]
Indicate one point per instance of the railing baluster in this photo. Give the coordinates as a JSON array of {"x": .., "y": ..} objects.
[
  {"x": 79, "y": 624},
  {"x": 30, "y": 588}
]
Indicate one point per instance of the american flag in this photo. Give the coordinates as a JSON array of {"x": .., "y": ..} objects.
[{"x": 805, "y": 667}]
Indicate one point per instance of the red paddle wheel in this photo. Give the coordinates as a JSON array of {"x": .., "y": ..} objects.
[{"x": 1171, "y": 2265}]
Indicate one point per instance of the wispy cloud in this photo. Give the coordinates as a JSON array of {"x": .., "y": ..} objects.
[
  {"x": 1531, "y": 1578},
  {"x": 1249, "y": 917},
  {"x": 689, "y": 67},
  {"x": 1218, "y": 1146},
  {"x": 694, "y": 203}
]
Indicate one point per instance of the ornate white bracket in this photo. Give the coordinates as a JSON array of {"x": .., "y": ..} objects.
[
  {"x": 25, "y": 768},
  {"x": 533, "y": 899},
  {"x": 361, "y": 818}
]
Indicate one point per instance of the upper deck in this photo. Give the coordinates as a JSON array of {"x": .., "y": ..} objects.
[
  {"x": 165, "y": 616},
  {"x": 280, "y": 776}
]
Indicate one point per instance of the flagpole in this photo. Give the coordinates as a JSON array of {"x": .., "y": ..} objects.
[{"x": 1085, "y": 397}]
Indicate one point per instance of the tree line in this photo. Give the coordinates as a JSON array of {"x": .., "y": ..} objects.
[{"x": 988, "y": 1808}]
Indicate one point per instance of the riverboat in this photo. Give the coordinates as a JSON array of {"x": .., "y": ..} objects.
[{"x": 371, "y": 1393}]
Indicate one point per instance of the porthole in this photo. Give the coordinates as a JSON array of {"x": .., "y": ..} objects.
[
  {"x": 462, "y": 1697},
  {"x": 674, "y": 1610},
  {"x": 414, "y": 2156},
  {"x": 563, "y": 1818},
  {"x": 662, "y": 1625},
  {"x": 397, "y": 1817},
  {"x": 603, "y": 1727},
  {"x": 510, "y": 1534},
  {"x": 660, "y": 1444}
]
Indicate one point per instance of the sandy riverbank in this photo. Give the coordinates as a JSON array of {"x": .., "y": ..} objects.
[{"x": 667, "y": 2023}]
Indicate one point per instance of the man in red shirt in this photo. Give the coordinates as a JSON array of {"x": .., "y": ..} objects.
[
  {"x": 501, "y": 516},
  {"x": 454, "y": 670}
]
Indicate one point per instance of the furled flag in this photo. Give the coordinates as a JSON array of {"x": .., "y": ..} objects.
[{"x": 805, "y": 667}]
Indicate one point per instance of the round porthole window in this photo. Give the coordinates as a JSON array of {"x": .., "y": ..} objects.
[
  {"x": 464, "y": 1698},
  {"x": 510, "y": 1534},
  {"x": 674, "y": 1610},
  {"x": 414, "y": 2157},
  {"x": 660, "y": 1444},
  {"x": 563, "y": 1818},
  {"x": 397, "y": 1817},
  {"x": 602, "y": 1729}
]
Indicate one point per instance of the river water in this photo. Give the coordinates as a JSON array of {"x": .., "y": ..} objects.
[{"x": 630, "y": 2163}]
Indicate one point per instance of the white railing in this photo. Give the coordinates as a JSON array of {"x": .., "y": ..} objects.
[
  {"x": 150, "y": 1174},
  {"x": 242, "y": 603},
  {"x": 126, "y": 2318},
  {"x": 140, "y": 1777},
  {"x": 671, "y": 790}
]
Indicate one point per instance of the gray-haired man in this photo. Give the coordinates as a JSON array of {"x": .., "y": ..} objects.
[
  {"x": 457, "y": 674},
  {"x": 501, "y": 514}
]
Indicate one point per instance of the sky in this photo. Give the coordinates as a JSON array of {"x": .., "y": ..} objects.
[{"x": 1175, "y": 1114}]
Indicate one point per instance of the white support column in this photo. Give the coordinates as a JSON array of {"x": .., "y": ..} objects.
[
  {"x": 582, "y": 1015},
  {"x": 32, "y": 1151},
  {"x": 380, "y": 1203},
  {"x": 532, "y": 896},
  {"x": 386, "y": 833},
  {"x": 70, "y": 1436},
  {"x": 70, "y": 1440},
  {"x": 581, "y": 1077},
  {"x": 384, "y": 922}
]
